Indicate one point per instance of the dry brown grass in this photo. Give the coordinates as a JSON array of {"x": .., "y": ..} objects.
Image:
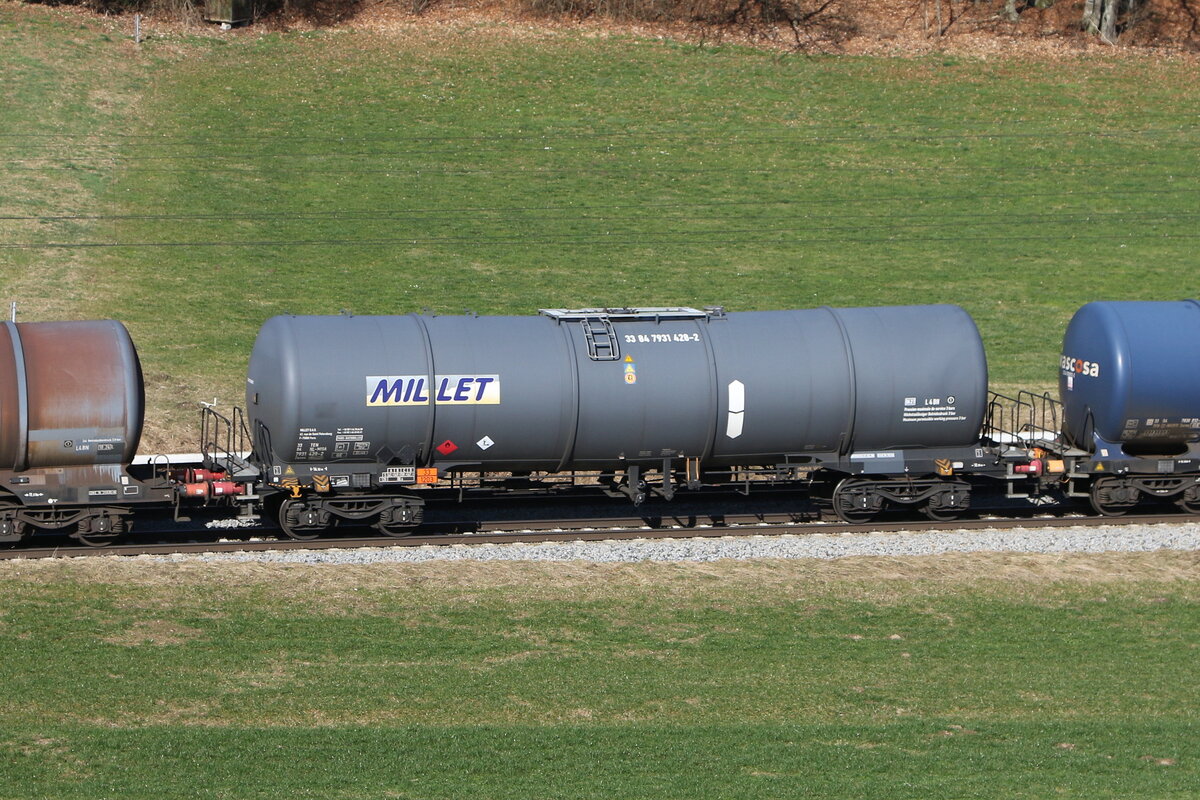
[{"x": 154, "y": 632}]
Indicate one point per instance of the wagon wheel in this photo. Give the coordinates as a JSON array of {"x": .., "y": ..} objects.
[
  {"x": 941, "y": 507},
  {"x": 97, "y": 539},
  {"x": 387, "y": 524},
  {"x": 854, "y": 502},
  {"x": 15, "y": 528},
  {"x": 395, "y": 530},
  {"x": 298, "y": 521},
  {"x": 936, "y": 512},
  {"x": 1189, "y": 501},
  {"x": 100, "y": 531},
  {"x": 1107, "y": 498}
]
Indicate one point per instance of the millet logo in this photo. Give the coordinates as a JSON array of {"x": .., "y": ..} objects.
[{"x": 416, "y": 390}]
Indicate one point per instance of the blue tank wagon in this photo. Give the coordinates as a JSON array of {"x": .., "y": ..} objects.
[{"x": 1129, "y": 380}]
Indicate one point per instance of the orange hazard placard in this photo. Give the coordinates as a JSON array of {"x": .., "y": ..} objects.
[{"x": 427, "y": 475}]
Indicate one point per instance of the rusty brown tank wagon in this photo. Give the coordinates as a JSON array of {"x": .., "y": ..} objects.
[
  {"x": 370, "y": 420},
  {"x": 71, "y": 414},
  {"x": 72, "y": 394}
]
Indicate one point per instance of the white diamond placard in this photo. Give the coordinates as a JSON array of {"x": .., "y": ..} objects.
[{"x": 485, "y": 443}]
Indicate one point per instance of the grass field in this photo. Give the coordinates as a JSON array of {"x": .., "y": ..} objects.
[
  {"x": 199, "y": 185},
  {"x": 1001, "y": 676}
]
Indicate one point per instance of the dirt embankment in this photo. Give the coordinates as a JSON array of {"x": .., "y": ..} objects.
[
  {"x": 1033, "y": 28},
  {"x": 1037, "y": 29}
]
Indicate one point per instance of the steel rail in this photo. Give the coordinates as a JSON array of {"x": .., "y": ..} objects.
[{"x": 539, "y": 531}]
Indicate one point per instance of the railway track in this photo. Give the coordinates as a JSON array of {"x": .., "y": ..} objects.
[{"x": 539, "y": 531}]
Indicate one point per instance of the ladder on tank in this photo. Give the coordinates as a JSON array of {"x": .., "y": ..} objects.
[
  {"x": 224, "y": 443},
  {"x": 1022, "y": 427},
  {"x": 1025, "y": 421},
  {"x": 597, "y": 323},
  {"x": 601, "y": 339}
]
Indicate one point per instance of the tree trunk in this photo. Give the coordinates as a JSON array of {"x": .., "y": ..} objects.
[
  {"x": 1108, "y": 22},
  {"x": 1100, "y": 17},
  {"x": 1091, "y": 16}
]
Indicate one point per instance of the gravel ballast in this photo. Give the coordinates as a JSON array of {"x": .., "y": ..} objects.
[{"x": 1101, "y": 539}]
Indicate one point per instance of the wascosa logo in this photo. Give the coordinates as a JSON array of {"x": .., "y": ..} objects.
[
  {"x": 446, "y": 390},
  {"x": 1080, "y": 367}
]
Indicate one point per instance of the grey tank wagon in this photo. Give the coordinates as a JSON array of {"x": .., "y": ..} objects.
[{"x": 344, "y": 407}]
